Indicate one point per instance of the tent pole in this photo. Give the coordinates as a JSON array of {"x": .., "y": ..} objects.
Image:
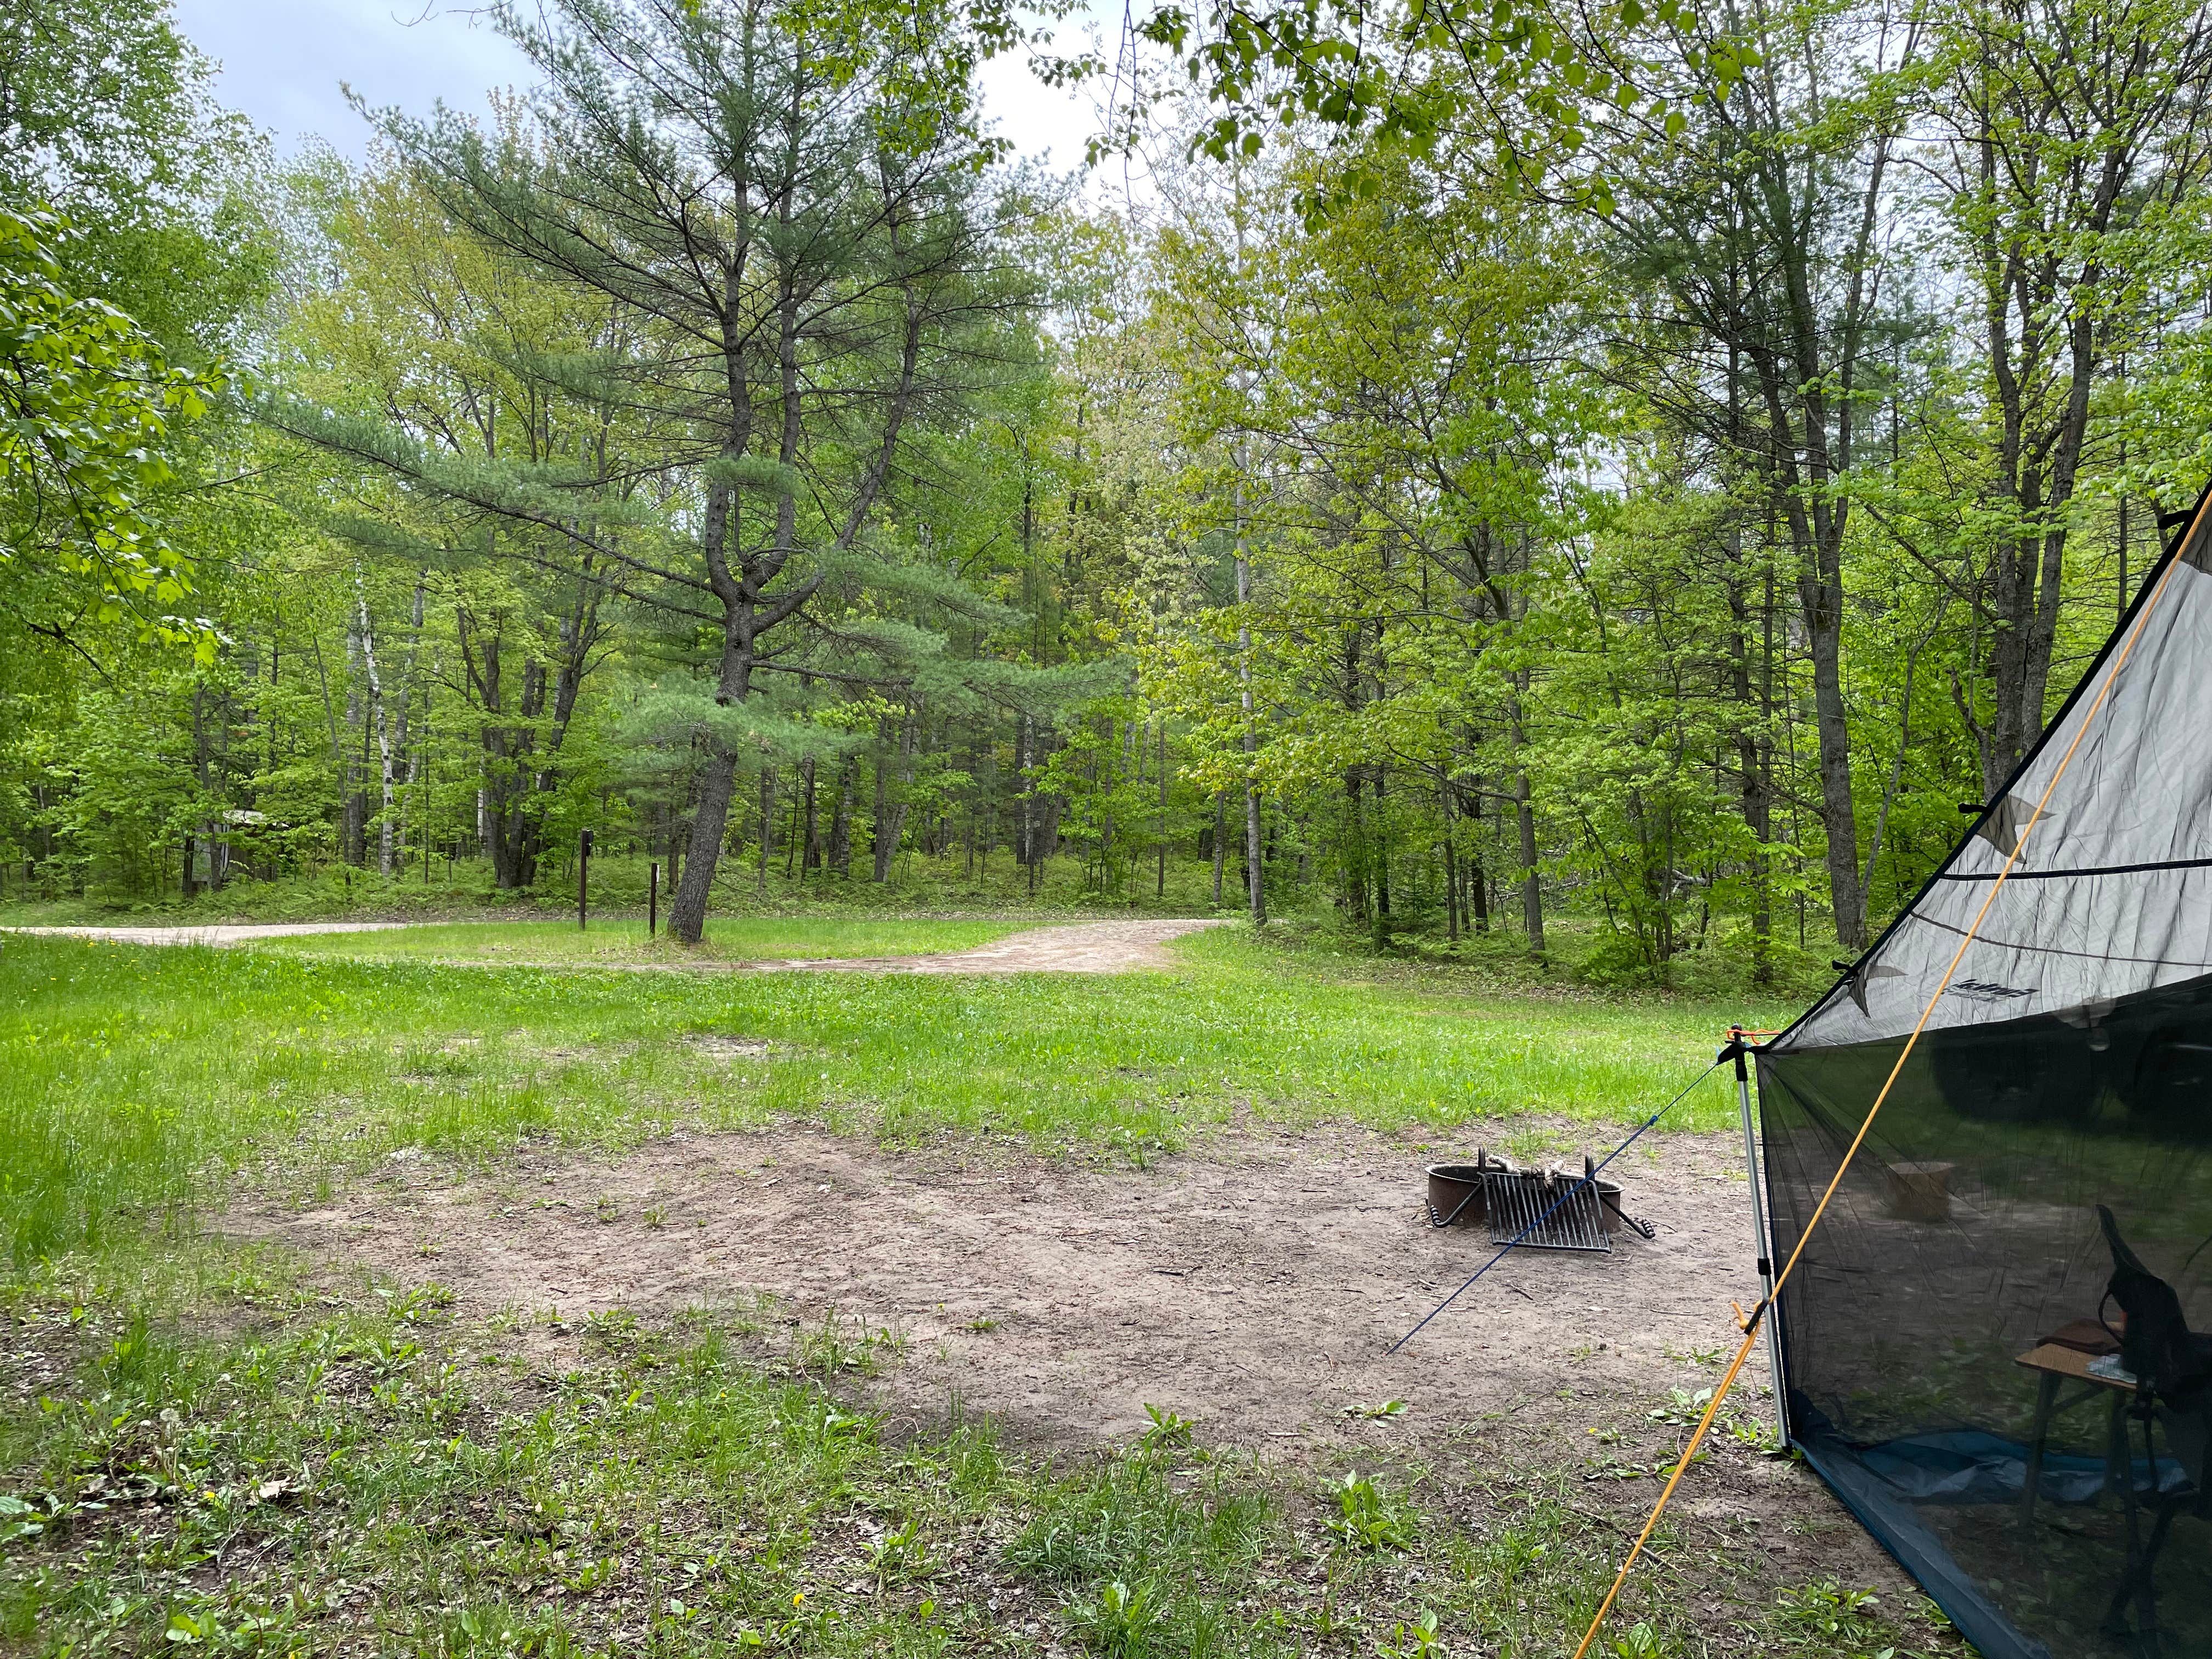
[{"x": 1759, "y": 1245}]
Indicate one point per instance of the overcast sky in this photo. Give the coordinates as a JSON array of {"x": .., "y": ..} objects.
[{"x": 283, "y": 61}]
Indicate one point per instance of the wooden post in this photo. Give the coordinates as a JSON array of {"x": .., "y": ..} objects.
[
  {"x": 583, "y": 875},
  {"x": 652, "y": 899}
]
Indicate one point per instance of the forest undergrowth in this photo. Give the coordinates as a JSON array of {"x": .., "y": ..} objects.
[{"x": 916, "y": 884}]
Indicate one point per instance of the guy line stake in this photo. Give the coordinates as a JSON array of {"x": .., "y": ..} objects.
[{"x": 1750, "y": 1322}]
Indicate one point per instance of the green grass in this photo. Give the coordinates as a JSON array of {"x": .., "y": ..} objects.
[
  {"x": 352, "y": 1469},
  {"x": 210, "y": 1445},
  {"x": 623, "y": 939},
  {"x": 134, "y": 1080}
]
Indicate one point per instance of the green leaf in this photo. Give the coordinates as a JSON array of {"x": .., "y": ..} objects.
[{"x": 753, "y": 472}]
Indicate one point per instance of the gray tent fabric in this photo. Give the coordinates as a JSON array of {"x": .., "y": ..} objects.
[
  {"x": 2066, "y": 1064},
  {"x": 2112, "y": 893}
]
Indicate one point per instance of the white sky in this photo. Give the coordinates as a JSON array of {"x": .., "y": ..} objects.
[{"x": 283, "y": 61}]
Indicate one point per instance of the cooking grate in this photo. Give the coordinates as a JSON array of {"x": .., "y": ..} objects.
[{"x": 1544, "y": 1211}]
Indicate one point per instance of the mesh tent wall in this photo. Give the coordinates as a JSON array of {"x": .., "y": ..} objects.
[{"x": 2067, "y": 1064}]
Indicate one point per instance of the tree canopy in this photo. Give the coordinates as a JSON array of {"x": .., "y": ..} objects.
[{"x": 1617, "y": 482}]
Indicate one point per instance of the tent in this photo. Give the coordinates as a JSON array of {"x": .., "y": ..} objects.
[{"x": 1947, "y": 1343}]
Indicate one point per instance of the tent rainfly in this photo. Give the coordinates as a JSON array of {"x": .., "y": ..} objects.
[{"x": 1988, "y": 1342}]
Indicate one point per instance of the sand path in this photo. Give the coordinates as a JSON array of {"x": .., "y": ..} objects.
[{"x": 1080, "y": 947}]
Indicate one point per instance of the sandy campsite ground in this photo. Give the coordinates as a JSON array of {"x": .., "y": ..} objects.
[{"x": 1253, "y": 1288}]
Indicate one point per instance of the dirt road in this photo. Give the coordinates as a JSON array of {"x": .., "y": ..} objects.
[{"x": 1078, "y": 947}]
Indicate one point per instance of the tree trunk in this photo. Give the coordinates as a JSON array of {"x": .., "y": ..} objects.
[
  {"x": 841, "y": 817},
  {"x": 812, "y": 858},
  {"x": 1451, "y": 862},
  {"x": 1038, "y": 829},
  {"x": 411, "y": 758},
  {"x": 1255, "y": 890},
  {"x": 710, "y": 820},
  {"x": 203, "y": 773},
  {"x": 879, "y": 847},
  {"x": 2063, "y": 155},
  {"x": 1477, "y": 882},
  {"x": 1381, "y": 862},
  {"x": 353, "y": 825},
  {"x": 1160, "y": 887},
  {"x": 1355, "y": 845},
  {"x": 890, "y": 833},
  {"x": 1532, "y": 891},
  {"x": 1104, "y": 786},
  {"x": 1754, "y": 790},
  {"x": 513, "y": 820},
  {"x": 1220, "y": 841},
  {"x": 768, "y": 820},
  {"x": 1838, "y": 812},
  {"x": 386, "y": 820},
  {"x": 505, "y": 823}
]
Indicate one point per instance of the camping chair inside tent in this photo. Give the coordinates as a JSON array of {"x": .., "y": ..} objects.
[
  {"x": 1948, "y": 1370},
  {"x": 2171, "y": 1369}
]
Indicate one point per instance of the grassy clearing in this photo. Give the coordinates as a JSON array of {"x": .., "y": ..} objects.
[
  {"x": 133, "y": 1081},
  {"x": 623, "y": 939},
  {"x": 359, "y": 1472},
  {"x": 208, "y": 1445}
]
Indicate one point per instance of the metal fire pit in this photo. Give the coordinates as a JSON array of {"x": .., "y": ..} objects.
[
  {"x": 1552, "y": 1209},
  {"x": 1548, "y": 1210},
  {"x": 1455, "y": 1196}
]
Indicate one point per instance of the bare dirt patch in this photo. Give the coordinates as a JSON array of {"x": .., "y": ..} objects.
[
  {"x": 1253, "y": 1289},
  {"x": 1254, "y": 1292},
  {"x": 727, "y": 1048}
]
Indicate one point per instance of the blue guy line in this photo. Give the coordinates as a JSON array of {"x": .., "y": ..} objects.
[{"x": 1506, "y": 1248}]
